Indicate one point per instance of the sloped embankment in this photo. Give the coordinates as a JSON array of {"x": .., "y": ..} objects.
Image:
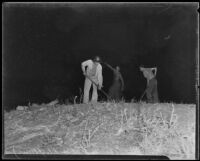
[{"x": 102, "y": 128}]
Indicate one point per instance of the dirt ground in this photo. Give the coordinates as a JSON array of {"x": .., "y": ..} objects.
[{"x": 102, "y": 128}]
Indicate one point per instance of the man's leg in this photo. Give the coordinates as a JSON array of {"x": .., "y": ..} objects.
[
  {"x": 94, "y": 93},
  {"x": 110, "y": 92},
  {"x": 155, "y": 93},
  {"x": 87, "y": 87},
  {"x": 149, "y": 95}
]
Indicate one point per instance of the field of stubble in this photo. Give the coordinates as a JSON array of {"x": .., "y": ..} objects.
[{"x": 102, "y": 128}]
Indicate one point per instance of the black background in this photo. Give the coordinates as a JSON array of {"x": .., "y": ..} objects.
[{"x": 44, "y": 45}]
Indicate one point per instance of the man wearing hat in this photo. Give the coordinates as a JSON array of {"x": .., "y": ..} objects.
[{"x": 92, "y": 70}]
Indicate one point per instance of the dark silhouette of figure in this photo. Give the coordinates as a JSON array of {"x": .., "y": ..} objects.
[
  {"x": 117, "y": 87},
  {"x": 151, "y": 89}
]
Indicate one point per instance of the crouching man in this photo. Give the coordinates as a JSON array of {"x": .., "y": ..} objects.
[
  {"x": 151, "y": 89},
  {"x": 92, "y": 70}
]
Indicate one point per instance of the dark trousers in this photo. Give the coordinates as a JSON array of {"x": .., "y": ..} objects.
[
  {"x": 115, "y": 91},
  {"x": 152, "y": 91}
]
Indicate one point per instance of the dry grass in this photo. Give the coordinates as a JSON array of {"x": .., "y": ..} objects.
[{"x": 103, "y": 128}]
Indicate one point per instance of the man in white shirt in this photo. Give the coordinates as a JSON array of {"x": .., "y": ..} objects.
[{"x": 93, "y": 70}]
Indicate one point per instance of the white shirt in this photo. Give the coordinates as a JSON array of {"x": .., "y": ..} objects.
[{"x": 91, "y": 71}]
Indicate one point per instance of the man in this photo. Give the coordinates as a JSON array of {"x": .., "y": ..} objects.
[
  {"x": 115, "y": 91},
  {"x": 151, "y": 90},
  {"x": 92, "y": 70}
]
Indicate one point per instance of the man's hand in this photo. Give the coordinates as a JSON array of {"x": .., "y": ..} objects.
[
  {"x": 141, "y": 69},
  {"x": 99, "y": 87}
]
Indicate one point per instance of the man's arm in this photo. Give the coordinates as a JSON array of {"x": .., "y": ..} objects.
[
  {"x": 109, "y": 66},
  {"x": 83, "y": 65},
  {"x": 155, "y": 70},
  {"x": 100, "y": 77},
  {"x": 122, "y": 80}
]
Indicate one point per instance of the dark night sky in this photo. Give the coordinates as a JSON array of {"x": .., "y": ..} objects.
[{"x": 44, "y": 45}]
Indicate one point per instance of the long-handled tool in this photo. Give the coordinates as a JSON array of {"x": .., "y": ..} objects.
[
  {"x": 97, "y": 87},
  {"x": 142, "y": 95}
]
